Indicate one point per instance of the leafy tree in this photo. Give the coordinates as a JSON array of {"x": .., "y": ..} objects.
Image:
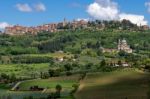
[
  {"x": 58, "y": 90},
  {"x": 88, "y": 65},
  {"x": 68, "y": 67},
  {"x": 54, "y": 72},
  {"x": 119, "y": 63},
  {"x": 13, "y": 78},
  {"x": 51, "y": 72},
  {"x": 103, "y": 63},
  {"x": 122, "y": 53}
]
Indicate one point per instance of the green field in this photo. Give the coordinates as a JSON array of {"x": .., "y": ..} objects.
[
  {"x": 88, "y": 59},
  {"x": 65, "y": 82},
  {"x": 49, "y": 84},
  {"x": 4, "y": 94},
  {"x": 53, "y": 55},
  {"x": 115, "y": 85},
  {"x": 23, "y": 70},
  {"x": 28, "y": 70},
  {"x": 21, "y": 94}
]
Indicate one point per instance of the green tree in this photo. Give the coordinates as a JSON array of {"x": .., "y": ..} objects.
[
  {"x": 88, "y": 65},
  {"x": 119, "y": 63},
  {"x": 13, "y": 77},
  {"x": 68, "y": 66},
  {"x": 51, "y": 72},
  {"x": 103, "y": 63},
  {"x": 58, "y": 91}
]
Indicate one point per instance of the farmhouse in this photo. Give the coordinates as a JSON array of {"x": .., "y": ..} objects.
[{"x": 122, "y": 64}]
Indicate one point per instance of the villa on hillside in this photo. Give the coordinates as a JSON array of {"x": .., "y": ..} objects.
[{"x": 122, "y": 46}]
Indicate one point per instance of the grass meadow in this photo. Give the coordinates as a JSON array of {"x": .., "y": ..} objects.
[
  {"x": 23, "y": 70},
  {"x": 64, "y": 81},
  {"x": 48, "y": 84}
]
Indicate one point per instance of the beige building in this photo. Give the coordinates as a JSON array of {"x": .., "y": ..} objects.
[
  {"x": 19, "y": 30},
  {"x": 122, "y": 46},
  {"x": 15, "y": 30}
]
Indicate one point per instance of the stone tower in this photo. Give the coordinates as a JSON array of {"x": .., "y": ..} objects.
[{"x": 64, "y": 22}]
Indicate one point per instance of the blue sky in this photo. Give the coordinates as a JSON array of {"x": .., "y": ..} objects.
[{"x": 36, "y": 12}]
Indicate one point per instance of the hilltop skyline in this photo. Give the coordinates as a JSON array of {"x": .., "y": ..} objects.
[{"x": 36, "y": 12}]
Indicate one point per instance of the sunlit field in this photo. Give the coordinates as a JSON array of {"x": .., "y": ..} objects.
[{"x": 114, "y": 85}]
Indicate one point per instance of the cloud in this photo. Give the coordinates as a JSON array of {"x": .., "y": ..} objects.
[
  {"x": 3, "y": 25},
  {"x": 85, "y": 19},
  {"x": 108, "y": 10},
  {"x": 136, "y": 19},
  {"x": 103, "y": 10},
  {"x": 24, "y": 7},
  {"x": 147, "y": 4},
  {"x": 40, "y": 7}
]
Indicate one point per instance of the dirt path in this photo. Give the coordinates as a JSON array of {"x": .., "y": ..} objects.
[{"x": 16, "y": 85}]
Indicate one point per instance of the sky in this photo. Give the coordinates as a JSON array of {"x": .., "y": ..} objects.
[{"x": 37, "y": 12}]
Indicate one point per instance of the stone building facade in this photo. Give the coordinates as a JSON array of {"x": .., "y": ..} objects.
[{"x": 122, "y": 46}]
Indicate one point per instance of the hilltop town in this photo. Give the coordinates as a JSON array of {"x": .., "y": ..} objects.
[
  {"x": 73, "y": 25},
  {"x": 52, "y": 27}
]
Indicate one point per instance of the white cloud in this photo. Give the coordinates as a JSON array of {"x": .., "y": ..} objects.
[
  {"x": 147, "y": 4},
  {"x": 108, "y": 10},
  {"x": 103, "y": 10},
  {"x": 3, "y": 25},
  {"x": 105, "y": 3},
  {"x": 40, "y": 7},
  {"x": 24, "y": 7},
  {"x": 136, "y": 19},
  {"x": 84, "y": 19}
]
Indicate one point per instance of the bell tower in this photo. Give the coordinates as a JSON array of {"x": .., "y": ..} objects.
[
  {"x": 119, "y": 44},
  {"x": 64, "y": 22}
]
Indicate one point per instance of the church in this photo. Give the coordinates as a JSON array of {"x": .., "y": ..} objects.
[{"x": 122, "y": 46}]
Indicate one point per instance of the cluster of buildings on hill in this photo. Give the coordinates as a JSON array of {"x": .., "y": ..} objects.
[
  {"x": 145, "y": 27},
  {"x": 122, "y": 46},
  {"x": 52, "y": 27},
  {"x": 55, "y": 27}
]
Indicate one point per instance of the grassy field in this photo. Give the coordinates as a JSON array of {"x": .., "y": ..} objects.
[
  {"x": 54, "y": 55},
  {"x": 26, "y": 70},
  {"x": 87, "y": 59},
  {"x": 4, "y": 94},
  {"x": 50, "y": 84},
  {"x": 23, "y": 70},
  {"x": 65, "y": 82},
  {"x": 115, "y": 85}
]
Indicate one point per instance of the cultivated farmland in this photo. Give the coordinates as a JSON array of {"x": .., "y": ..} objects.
[{"x": 114, "y": 85}]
